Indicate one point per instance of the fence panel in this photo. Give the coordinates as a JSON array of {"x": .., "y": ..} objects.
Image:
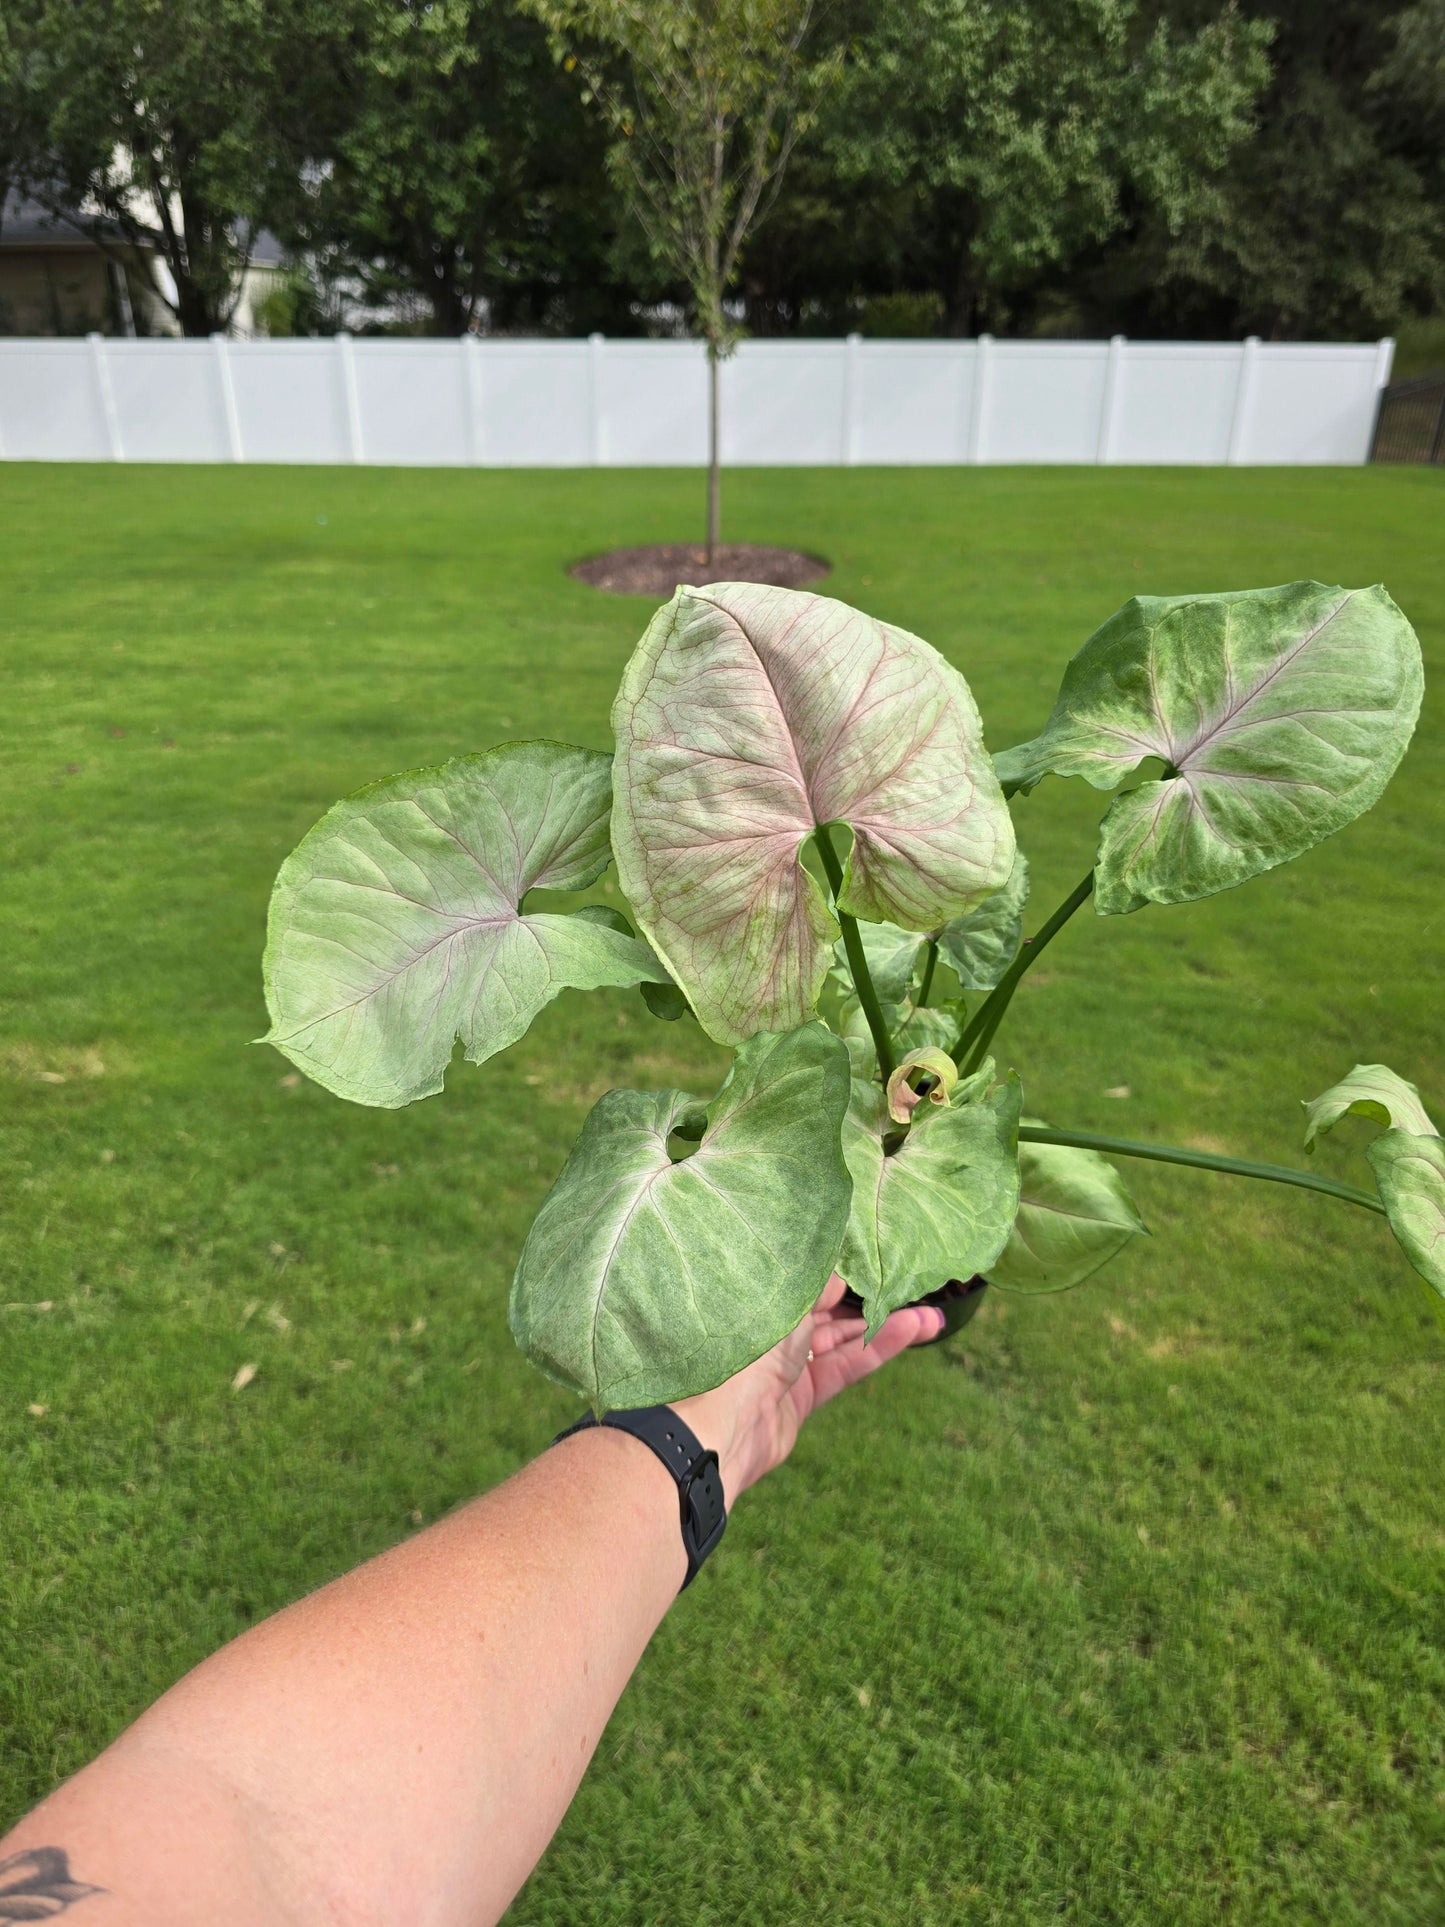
[
  {"x": 914, "y": 401},
  {"x": 536, "y": 404},
  {"x": 413, "y": 403},
  {"x": 1045, "y": 408},
  {"x": 169, "y": 402},
  {"x": 289, "y": 401},
  {"x": 652, "y": 406},
  {"x": 49, "y": 405},
  {"x": 783, "y": 403},
  {"x": 1311, "y": 405},
  {"x": 1176, "y": 401},
  {"x": 644, "y": 403}
]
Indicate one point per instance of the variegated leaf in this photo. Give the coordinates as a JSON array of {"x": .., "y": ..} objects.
[
  {"x": 1280, "y": 715},
  {"x": 396, "y": 924},
  {"x": 748, "y": 717}
]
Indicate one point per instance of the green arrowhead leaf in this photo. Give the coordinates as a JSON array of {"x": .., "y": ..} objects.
[
  {"x": 1409, "y": 1172},
  {"x": 892, "y": 956},
  {"x": 1281, "y": 714},
  {"x": 935, "y": 1025},
  {"x": 665, "y": 1001},
  {"x": 748, "y": 717},
  {"x": 941, "y": 1206},
  {"x": 1074, "y": 1216},
  {"x": 982, "y": 945},
  {"x": 644, "y": 1280},
  {"x": 1373, "y": 1091},
  {"x": 396, "y": 924}
]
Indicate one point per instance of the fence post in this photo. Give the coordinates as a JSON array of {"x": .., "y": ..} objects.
[
  {"x": 108, "y": 409},
  {"x": 1243, "y": 401},
  {"x": 596, "y": 440},
  {"x": 229, "y": 410},
  {"x": 351, "y": 395},
  {"x": 472, "y": 370},
  {"x": 852, "y": 400},
  {"x": 1384, "y": 361},
  {"x": 1110, "y": 403},
  {"x": 978, "y": 412}
]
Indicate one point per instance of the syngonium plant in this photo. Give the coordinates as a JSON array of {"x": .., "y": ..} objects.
[{"x": 820, "y": 862}]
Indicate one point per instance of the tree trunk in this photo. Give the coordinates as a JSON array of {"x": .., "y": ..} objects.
[
  {"x": 194, "y": 312},
  {"x": 714, "y": 465}
]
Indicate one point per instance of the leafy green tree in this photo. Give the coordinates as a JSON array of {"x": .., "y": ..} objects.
[
  {"x": 168, "y": 123},
  {"x": 705, "y": 100},
  {"x": 461, "y": 167},
  {"x": 1331, "y": 222},
  {"x": 1005, "y": 138}
]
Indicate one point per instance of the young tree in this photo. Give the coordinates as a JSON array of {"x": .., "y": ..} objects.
[
  {"x": 164, "y": 122},
  {"x": 705, "y": 100}
]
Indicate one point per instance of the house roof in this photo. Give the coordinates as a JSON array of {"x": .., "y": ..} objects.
[{"x": 24, "y": 223}]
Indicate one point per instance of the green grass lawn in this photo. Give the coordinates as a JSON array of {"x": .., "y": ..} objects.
[{"x": 1128, "y": 1606}]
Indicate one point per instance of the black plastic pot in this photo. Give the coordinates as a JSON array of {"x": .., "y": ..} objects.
[{"x": 960, "y": 1299}]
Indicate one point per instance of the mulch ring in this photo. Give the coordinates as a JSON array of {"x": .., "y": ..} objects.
[{"x": 660, "y": 567}]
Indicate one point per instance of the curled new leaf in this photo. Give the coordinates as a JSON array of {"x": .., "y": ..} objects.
[
  {"x": 931, "y": 1064},
  {"x": 1074, "y": 1215},
  {"x": 396, "y": 924},
  {"x": 1373, "y": 1091},
  {"x": 1280, "y": 715},
  {"x": 1409, "y": 1170},
  {"x": 983, "y": 944},
  {"x": 748, "y": 717},
  {"x": 647, "y": 1277},
  {"x": 942, "y": 1205}
]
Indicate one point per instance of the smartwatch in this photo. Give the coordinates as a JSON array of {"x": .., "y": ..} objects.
[{"x": 701, "y": 1504}]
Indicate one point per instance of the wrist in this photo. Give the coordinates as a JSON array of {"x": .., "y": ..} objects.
[{"x": 715, "y": 1419}]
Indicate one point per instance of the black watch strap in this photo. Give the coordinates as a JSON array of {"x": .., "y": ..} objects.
[{"x": 700, "y": 1495}]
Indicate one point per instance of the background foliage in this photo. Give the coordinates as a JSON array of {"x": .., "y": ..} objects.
[
  {"x": 1126, "y": 1607},
  {"x": 1164, "y": 167}
]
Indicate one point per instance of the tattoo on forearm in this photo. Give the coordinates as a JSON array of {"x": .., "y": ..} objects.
[{"x": 37, "y": 1885}]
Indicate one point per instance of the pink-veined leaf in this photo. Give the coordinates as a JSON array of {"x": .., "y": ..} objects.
[{"x": 748, "y": 717}]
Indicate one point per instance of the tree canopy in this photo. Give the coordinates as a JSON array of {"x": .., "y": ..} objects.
[{"x": 1156, "y": 166}]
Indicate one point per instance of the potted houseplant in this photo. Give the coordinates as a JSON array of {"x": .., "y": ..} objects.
[{"x": 820, "y": 863}]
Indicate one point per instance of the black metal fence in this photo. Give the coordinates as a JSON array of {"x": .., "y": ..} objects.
[{"x": 1410, "y": 426}]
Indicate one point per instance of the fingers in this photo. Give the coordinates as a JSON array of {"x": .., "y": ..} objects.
[
  {"x": 853, "y": 1360},
  {"x": 832, "y": 1292},
  {"x": 830, "y": 1333},
  {"x": 914, "y": 1325}
]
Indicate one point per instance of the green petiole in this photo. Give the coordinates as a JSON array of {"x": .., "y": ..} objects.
[
  {"x": 979, "y": 1032},
  {"x": 857, "y": 961},
  {"x": 1124, "y": 1147}
]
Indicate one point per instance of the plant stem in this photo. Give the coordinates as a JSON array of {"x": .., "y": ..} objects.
[
  {"x": 1124, "y": 1147},
  {"x": 714, "y": 460},
  {"x": 857, "y": 962},
  {"x": 930, "y": 963},
  {"x": 978, "y": 1034}
]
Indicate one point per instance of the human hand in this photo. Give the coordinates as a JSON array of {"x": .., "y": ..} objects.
[{"x": 753, "y": 1420}]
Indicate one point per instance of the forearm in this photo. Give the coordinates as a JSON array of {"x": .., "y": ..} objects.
[{"x": 402, "y": 1744}]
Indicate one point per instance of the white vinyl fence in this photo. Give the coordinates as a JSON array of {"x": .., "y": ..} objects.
[{"x": 577, "y": 404}]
